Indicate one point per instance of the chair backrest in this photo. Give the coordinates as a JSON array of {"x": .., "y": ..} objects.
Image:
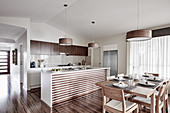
[
  {"x": 161, "y": 96},
  {"x": 154, "y": 74},
  {"x": 121, "y": 75},
  {"x": 115, "y": 94},
  {"x": 162, "y": 90},
  {"x": 167, "y": 87},
  {"x": 110, "y": 78}
]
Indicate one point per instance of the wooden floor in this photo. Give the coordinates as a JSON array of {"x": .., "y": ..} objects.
[{"x": 12, "y": 101}]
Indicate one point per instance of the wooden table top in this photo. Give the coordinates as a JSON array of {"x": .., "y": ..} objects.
[{"x": 138, "y": 90}]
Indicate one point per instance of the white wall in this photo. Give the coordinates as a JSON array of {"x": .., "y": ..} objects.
[
  {"x": 20, "y": 22},
  {"x": 35, "y": 31},
  {"x": 120, "y": 41},
  {"x": 25, "y": 23},
  {"x": 15, "y": 69},
  {"x": 45, "y": 32}
]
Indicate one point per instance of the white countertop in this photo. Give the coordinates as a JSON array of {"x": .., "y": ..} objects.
[
  {"x": 57, "y": 67},
  {"x": 70, "y": 71}
]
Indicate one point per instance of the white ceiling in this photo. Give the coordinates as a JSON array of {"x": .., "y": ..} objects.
[
  {"x": 9, "y": 33},
  {"x": 38, "y": 10},
  {"x": 112, "y": 16}
]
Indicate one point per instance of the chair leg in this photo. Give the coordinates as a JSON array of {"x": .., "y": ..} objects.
[
  {"x": 104, "y": 111},
  {"x": 162, "y": 109},
  {"x": 136, "y": 110},
  {"x": 157, "y": 109},
  {"x": 166, "y": 105}
]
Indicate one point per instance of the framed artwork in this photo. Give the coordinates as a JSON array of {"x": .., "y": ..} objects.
[{"x": 14, "y": 56}]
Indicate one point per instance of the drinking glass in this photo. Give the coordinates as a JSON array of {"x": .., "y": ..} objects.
[{"x": 131, "y": 82}]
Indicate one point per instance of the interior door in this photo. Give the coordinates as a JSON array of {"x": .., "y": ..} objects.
[
  {"x": 4, "y": 62},
  {"x": 96, "y": 57}
]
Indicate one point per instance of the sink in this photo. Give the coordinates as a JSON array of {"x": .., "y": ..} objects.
[
  {"x": 86, "y": 68},
  {"x": 89, "y": 68}
]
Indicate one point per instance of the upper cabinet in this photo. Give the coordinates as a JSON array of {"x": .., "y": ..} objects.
[
  {"x": 74, "y": 50},
  {"x": 35, "y": 47},
  {"x": 46, "y": 48},
  {"x": 55, "y": 49}
]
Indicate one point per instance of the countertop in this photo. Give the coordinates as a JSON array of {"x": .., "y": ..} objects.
[
  {"x": 71, "y": 71},
  {"x": 57, "y": 67}
]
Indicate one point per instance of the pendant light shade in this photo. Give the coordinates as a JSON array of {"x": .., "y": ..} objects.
[
  {"x": 93, "y": 44},
  {"x": 139, "y": 35},
  {"x": 65, "y": 41}
]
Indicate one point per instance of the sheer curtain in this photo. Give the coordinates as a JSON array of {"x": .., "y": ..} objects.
[{"x": 152, "y": 56}]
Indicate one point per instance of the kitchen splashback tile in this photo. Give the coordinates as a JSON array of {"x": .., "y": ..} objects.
[{"x": 54, "y": 60}]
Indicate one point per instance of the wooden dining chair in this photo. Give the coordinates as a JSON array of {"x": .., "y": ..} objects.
[
  {"x": 110, "y": 78},
  {"x": 121, "y": 75},
  {"x": 117, "y": 104},
  {"x": 127, "y": 96},
  {"x": 166, "y": 96},
  {"x": 160, "y": 100}
]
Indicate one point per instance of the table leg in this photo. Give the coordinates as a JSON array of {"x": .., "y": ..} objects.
[{"x": 153, "y": 103}]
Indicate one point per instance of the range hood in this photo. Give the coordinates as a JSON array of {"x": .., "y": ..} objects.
[{"x": 62, "y": 53}]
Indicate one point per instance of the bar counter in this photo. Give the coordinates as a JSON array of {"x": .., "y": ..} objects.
[{"x": 64, "y": 85}]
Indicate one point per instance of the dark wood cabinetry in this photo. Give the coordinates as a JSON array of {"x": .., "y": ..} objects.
[
  {"x": 35, "y": 47},
  {"x": 46, "y": 48},
  {"x": 74, "y": 50},
  {"x": 80, "y": 51},
  {"x": 55, "y": 49}
]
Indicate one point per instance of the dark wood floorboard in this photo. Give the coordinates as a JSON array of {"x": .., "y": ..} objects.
[{"x": 14, "y": 101}]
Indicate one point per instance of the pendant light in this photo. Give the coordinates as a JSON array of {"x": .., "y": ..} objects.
[
  {"x": 65, "y": 41},
  {"x": 93, "y": 44},
  {"x": 139, "y": 34}
]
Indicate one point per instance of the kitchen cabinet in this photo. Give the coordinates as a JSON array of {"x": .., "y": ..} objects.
[
  {"x": 40, "y": 48},
  {"x": 64, "y": 49},
  {"x": 74, "y": 50},
  {"x": 46, "y": 48},
  {"x": 81, "y": 51},
  {"x": 55, "y": 49},
  {"x": 35, "y": 47},
  {"x": 34, "y": 75}
]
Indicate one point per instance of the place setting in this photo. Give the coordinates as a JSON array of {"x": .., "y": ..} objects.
[
  {"x": 118, "y": 79},
  {"x": 122, "y": 85},
  {"x": 146, "y": 83},
  {"x": 154, "y": 79}
]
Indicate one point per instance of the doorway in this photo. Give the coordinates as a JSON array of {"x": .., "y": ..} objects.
[
  {"x": 96, "y": 57},
  {"x": 111, "y": 60},
  {"x": 21, "y": 64},
  {"x": 4, "y": 62}
]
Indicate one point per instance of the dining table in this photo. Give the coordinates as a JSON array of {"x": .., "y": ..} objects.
[{"x": 136, "y": 89}]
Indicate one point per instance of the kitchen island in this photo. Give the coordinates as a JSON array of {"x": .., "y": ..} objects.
[{"x": 64, "y": 85}]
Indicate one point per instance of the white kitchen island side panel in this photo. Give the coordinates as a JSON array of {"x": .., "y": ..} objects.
[{"x": 46, "y": 88}]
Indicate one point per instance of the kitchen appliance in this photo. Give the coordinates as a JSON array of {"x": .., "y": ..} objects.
[
  {"x": 111, "y": 60},
  {"x": 32, "y": 64}
]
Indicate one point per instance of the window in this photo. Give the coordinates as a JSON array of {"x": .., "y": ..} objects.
[
  {"x": 151, "y": 56},
  {"x": 4, "y": 62}
]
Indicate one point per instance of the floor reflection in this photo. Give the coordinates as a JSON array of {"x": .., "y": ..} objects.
[
  {"x": 14, "y": 99},
  {"x": 4, "y": 89}
]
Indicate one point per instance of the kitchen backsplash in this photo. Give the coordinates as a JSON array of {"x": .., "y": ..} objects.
[{"x": 54, "y": 60}]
